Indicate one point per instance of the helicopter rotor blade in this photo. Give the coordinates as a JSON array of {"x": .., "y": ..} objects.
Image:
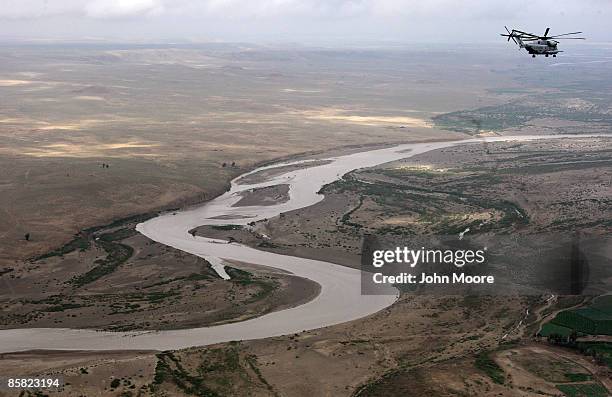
[
  {"x": 564, "y": 34},
  {"x": 526, "y": 34}
]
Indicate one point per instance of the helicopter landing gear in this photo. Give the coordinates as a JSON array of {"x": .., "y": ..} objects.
[
  {"x": 533, "y": 56},
  {"x": 554, "y": 55},
  {"x": 546, "y": 55}
]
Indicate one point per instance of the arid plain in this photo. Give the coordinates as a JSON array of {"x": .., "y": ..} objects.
[{"x": 98, "y": 138}]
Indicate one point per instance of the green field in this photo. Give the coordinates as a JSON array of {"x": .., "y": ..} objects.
[
  {"x": 583, "y": 390},
  {"x": 553, "y": 329},
  {"x": 595, "y": 319}
]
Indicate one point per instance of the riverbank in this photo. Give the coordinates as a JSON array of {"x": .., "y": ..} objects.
[{"x": 339, "y": 300}]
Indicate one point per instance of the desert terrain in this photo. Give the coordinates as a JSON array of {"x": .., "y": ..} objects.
[{"x": 166, "y": 128}]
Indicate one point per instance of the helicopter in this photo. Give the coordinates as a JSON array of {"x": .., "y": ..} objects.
[{"x": 539, "y": 45}]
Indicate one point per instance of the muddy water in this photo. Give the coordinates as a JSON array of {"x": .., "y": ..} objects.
[{"x": 339, "y": 299}]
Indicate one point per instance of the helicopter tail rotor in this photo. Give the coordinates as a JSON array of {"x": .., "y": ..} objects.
[
  {"x": 510, "y": 35},
  {"x": 516, "y": 36}
]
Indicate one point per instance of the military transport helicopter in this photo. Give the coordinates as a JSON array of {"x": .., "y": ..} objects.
[{"x": 539, "y": 45}]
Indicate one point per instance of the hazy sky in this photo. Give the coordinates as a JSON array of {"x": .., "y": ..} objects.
[{"x": 308, "y": 21}]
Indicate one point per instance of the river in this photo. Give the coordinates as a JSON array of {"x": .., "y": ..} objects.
[{"x": 339, "y": 300}]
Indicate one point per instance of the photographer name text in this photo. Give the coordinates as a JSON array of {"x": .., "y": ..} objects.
[{"x": 432, "y": 278}]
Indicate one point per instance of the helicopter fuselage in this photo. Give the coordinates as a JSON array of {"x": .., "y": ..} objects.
[{"x": 542, "y": 47}]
